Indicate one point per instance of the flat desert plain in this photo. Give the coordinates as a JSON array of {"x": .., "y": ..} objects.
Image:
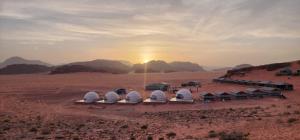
[{"x": 41, "y": 106}]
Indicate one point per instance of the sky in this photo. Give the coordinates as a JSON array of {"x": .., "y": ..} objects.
[{"x": 207, "y": 32}]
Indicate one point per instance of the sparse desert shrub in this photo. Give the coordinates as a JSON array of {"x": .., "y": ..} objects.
[
  {"x": 203, "y": 117},
  {"x": 144, "y": 126},
  {"x": 288, "y": 106},
  {"x": 6, "y": 120},
  {"x": 33, "y": 129},
  {"x": 234, "y": 136},
  {"x": 124, "y": 126},
  {"x": 254, "y": 112},
  {"x": 297, "y": 112},
  {"x": 292, "y": 120},
  {"x": 149, "y": 138},
  {"x": 171, "y": 134},
  {"x": 258, "y": 107},
  {"x": 273, "y": 105},
  {"x": 212, "y": 134}
]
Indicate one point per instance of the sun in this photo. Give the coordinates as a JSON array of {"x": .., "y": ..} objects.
[{"x": 145, "y": 61}]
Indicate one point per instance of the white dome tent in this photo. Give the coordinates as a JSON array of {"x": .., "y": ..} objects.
[
  {"x": 156, "y": 96},
  {"x": 89, "y": 97},
  {"x": 183, "y": 96},
  {"x": 110, "y": 98},
  {"x": 132, "y": 97}
]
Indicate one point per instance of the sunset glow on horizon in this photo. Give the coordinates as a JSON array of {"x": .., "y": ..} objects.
[{"x": 213, "y": 33}]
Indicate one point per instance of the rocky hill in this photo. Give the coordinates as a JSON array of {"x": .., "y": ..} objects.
[
  {"x": 24, "y": 69},
  {"x": 162, "y": 66},
  {"x": 19, "y": 60},
  {"x": 99, "y": 65},
  {"x": 268, "y": 67}
]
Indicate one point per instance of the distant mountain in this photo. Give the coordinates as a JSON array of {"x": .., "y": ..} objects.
[
  {"x": 186, "y": 66},
  {"x": 99, "y": 65},
  {"x": 24, "y": 69},
  {"x": 241, "y": 66},
  {"x": 19, "y": 60},
  {"x": 162, "y": 66},
  {"x": 126, "y": 62},
  {"x": 153, "y": 66}
]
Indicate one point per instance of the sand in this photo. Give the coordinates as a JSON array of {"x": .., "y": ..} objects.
[{"x": 41, "y": 106}]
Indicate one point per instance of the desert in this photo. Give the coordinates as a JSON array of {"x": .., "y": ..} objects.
[
  {"x": 149, "y": 70},
  {"x": 41, "y": 106}
]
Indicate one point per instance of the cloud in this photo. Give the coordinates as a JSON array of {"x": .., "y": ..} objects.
[{"x": 209, "y": 25}]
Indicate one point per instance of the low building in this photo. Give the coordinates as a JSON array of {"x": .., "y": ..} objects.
[
  {"x": 271, "y": 91},
  {"x": 224, "y": 96},
  {"x": 254, "y": 93},
  {"x": 285, "y": 71},
  {"x": 207, "y": 96},
  {"x": 158, "y": 86},
  {"x": 240, "y": 94},
  {"x": 120, "y": 91},
  {"x": 191, "y": 84}
]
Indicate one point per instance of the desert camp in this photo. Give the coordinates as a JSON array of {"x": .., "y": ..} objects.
[{"x": 149, "y": 70}]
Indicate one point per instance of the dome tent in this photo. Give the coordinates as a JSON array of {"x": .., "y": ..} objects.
[
  {"x": 89, "y": 97},
  {"x": 110, "y": 97},
  {"x": 156, "y": 96},
  {"x": 132, "y": 97},
  {"x": 183, "y": 96}
]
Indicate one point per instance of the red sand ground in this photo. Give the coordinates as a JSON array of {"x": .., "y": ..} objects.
[{"x": 41, "y": 106}]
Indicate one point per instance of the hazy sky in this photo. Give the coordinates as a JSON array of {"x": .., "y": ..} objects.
[{"x": 208, "y": 32}]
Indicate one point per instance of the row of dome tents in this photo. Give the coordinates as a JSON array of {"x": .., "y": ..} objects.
[
  {"x": 279, "y": 85},
  {"x": 248, "y": 93},
  {"x": 134, "y": 97}
]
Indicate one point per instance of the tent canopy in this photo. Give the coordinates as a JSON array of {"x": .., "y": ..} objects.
[{"x": 91, "y": 97}]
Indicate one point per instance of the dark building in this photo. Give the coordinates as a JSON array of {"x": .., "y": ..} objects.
[{"x": 158, "y": 86}]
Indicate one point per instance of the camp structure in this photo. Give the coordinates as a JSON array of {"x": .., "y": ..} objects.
[
  {"x": 255, "y": 93},
  {"x": 158, "y": 86},
  {"x": 191, "y": 84},
  {"x": 120, "y": 91},
  {"x": 110, "y": 97},
  {"x": 284, "y": 72},
  {"x": 207, "y": 96},
  {"x": 297, "y": 73},
  {"x": 251, "y": 83},
  {"x": 224, "y": 96},
  {"x": 183, "y": 96},
  {"x": 271, "y": 91},
  {"x": 244, "y": 82},
  {"x": 282, "y": 86},
  {"x": 240, "y": 94},
  {"x": 132, "y": 97},
  {"x": 156, "y": 97},
  {"x": 265, "y": 83},
  {"x": 89, "y": 98}
]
